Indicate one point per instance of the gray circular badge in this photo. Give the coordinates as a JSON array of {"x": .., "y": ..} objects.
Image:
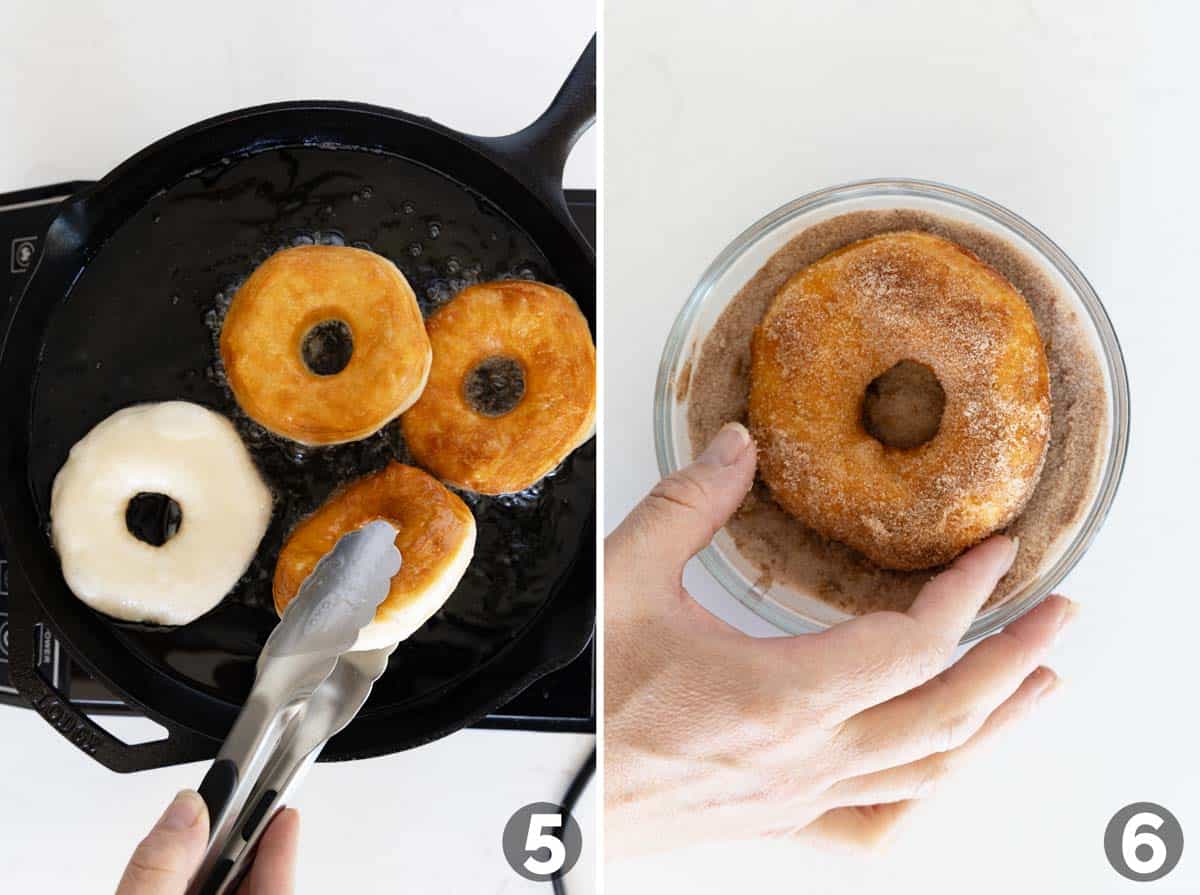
[
  {"x": 541, "y": 842},
  {"x": 1143, "y": 841}
]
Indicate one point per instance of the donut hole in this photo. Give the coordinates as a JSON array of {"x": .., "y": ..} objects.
[
  {"x": 494, "y": 386},
  {"x": 153, "y": 518},
  {"x": 902, "y": 407},
  {"x": 327, "y": 347}
]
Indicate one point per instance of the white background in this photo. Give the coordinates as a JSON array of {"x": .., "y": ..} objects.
[
  {"x": 1081, "y": 117},
  {"x": 82, "y": 87}
]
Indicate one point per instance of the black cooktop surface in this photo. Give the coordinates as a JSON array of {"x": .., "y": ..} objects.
[{"x": 563, "y": 701}]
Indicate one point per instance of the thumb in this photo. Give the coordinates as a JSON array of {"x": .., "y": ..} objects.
[
  {"x": 165, "y": 860},
  {"x": 683, "y": 511}
]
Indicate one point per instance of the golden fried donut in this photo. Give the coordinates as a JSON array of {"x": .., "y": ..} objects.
[
  {"x": 436, "y": 540},
  {"x": 493, "y": 345},
  {"x": 278, "y": 309},
  {"x": 891, "y": 304}
]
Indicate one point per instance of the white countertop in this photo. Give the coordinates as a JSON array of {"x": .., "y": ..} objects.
[
  {"x": 84, "y": 88},
  {"x": 1082, "y": 118}
]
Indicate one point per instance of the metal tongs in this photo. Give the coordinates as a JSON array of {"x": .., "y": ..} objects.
[{"x": 307, "y": 687}]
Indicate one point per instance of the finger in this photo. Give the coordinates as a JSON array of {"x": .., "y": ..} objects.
[
  {"x": 919, "y": 779},
  {"x": 950, "y": 601},
  {"x": 165, "y": 860},
  {"x": 945, "y": 712},
  {"x": 881, "y": 655},
  {"x": 870, "y": 808},
  {"x": 859, "y": 827},
  {"x": 683, "y": 511},
  {"x": 274, "y": 868}
]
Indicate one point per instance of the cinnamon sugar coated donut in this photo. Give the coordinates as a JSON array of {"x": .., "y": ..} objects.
[
  {"x": 512, "y": 390},
  {"x": 879, "y": 310},
  {"x": 435, "y": 537},
  {"x": 302, "y": 296}
]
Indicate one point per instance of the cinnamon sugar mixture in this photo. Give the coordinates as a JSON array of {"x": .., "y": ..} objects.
[{"x": 791, "y": 554}]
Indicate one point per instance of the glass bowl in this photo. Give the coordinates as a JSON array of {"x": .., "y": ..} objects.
[{"x": 796, "y": 612}]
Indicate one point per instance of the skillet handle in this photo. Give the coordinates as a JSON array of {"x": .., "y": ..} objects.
[
  {"x": 538, "y": 153},
  {"x": 56, "y": 707}
]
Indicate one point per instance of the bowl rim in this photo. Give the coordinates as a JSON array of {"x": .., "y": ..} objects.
[{"x": 891, "y": 188}]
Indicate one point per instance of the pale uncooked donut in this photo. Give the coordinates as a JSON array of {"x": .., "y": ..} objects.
[{"x": 188, "y": 453}]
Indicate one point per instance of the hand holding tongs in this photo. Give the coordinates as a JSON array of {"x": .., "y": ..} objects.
[{"x": 307, "y": 688}]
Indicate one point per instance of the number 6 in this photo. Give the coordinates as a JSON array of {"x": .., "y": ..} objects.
[
  {"x": 538, "y": 839},
  {"x": 1133, "y": 836}
]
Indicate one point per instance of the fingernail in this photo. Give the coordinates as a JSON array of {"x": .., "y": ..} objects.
[
  {"x": 183, "y": 812},
  {"x": 1068, "y": 614},
  {"x": 1016, "y": 546},
  {"x": 1049, "y": 685},
  {"x": 727, "y": 446},
  {"x": 1071, "y": 611}
]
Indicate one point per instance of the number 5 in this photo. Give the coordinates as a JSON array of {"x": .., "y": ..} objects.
[
  {"x": 538, "y": 839},
  {"x": 1133, "y": 836}
]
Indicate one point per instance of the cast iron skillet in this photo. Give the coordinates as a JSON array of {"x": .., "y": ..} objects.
[{"x": 125, "y": 306}]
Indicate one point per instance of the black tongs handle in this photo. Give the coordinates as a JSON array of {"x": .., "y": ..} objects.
[{"x": 218, "y": 786}]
